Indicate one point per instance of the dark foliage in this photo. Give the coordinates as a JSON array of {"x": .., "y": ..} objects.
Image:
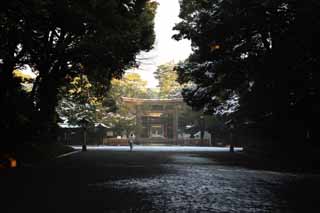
[
  {"x": 258, "y": 58},
  {"x": 61, "y": 38}
]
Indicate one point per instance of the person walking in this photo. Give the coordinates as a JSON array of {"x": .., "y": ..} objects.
[{"x": 131, "y": 140}]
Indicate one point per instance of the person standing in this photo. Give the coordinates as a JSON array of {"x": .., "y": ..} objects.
[{"x": 131, "y": 141}]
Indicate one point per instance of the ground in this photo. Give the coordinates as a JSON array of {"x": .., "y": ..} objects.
[
  {"x": 154, "y": 179},
  {"x": 29, "y": 153}
]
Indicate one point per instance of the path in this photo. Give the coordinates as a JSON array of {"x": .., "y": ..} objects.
[{"x": 153, "y": 180}]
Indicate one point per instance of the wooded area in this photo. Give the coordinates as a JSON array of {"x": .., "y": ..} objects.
[
  {"x": 256, "y": 61},
  {"x": 59, "y": 41},
  {"x": 254, "y": 65}
]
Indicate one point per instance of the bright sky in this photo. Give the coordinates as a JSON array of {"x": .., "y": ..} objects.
[{"x": 165, "y": 49}]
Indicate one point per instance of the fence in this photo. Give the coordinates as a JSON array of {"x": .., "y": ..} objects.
[
  {"x": 152, "y": 141},
  {"x": 75, "y": 137}
]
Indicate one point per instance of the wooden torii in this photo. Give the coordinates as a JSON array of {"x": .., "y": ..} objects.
[{"x": 150, "y": 114}]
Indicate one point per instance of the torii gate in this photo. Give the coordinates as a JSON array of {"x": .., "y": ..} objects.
[{"x": 157, "y": 119}]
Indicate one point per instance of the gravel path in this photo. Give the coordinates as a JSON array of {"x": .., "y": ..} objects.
[{"x": 104, "y": 180}]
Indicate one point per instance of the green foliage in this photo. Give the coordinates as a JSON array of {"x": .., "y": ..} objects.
[
  {"x": 258, "y": 58},
  {"x": 131, "y": 85},
  {"x": 167, "y": 77},
  {"x": 77, "y": 102},
  {"x": 121, "y": 123},
  {"x": 153, "y": 93},
  {"x": 59, "y": 38}
]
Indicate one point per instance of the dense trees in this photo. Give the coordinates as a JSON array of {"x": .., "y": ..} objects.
[
  {"x": 167, "y": 77},
  {"x": 131, "y": 85},
  {"x": 77, "y": 101},
  {"x": 64, "y": 38},
  {"x": 258, "y": 61}
]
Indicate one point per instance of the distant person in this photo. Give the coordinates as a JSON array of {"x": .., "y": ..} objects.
[{"x": 131, "y": 141}]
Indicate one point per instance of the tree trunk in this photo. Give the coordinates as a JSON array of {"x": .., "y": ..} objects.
[
  {"x": 7, "y": 83},
  {"x": 8, "y": 90},
  {"x": 213, "y": 142},
  {"x": 231, "y": 142},
  {"x": 48, "y": 91}
]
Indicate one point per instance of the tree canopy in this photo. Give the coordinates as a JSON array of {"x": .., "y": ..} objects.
[
  {"x": 131, "y": 85},
  {"x": 256, "y": 60},
  {"x": 59, "y": 38},
  {"x": 121, "y": 120},
  {"x": 167, "y": 77}
]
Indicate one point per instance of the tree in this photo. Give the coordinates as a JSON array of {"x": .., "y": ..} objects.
[
  {"x": 96, "y": 38},
  {"x": 16, "y": 105},
  {"x": 254, "y": 60},
  {"x": 167, "y": 77},
  {"x": 153, "y": 93},
  {"x": 131, "y": 85},
  {"x": 78, "y": 102}
]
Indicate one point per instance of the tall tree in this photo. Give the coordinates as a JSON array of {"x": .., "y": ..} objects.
[
  {"x": 56, "y": 38},
  {"x": 78, "y": 102},
  {"x": 167, "y": 77},
  {"x": 131, "y": 85},
  {"x": 16, "y": 105},
  {"x": 256, "y": 57}
]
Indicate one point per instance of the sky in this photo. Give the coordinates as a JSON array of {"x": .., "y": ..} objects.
[{"x": 165, "y": 49}]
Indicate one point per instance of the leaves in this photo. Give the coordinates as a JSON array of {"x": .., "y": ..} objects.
[
  {"x": 167, "y": 77},
  {"x": 255, "y": 54},
  {"x": 97, "y": 39}
]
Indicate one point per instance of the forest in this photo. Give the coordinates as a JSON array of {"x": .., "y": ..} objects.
[
  {"x": 78, "y": 45},
  {"x": 254, "y": 66},
  {"x": 258, "y": 62}
]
